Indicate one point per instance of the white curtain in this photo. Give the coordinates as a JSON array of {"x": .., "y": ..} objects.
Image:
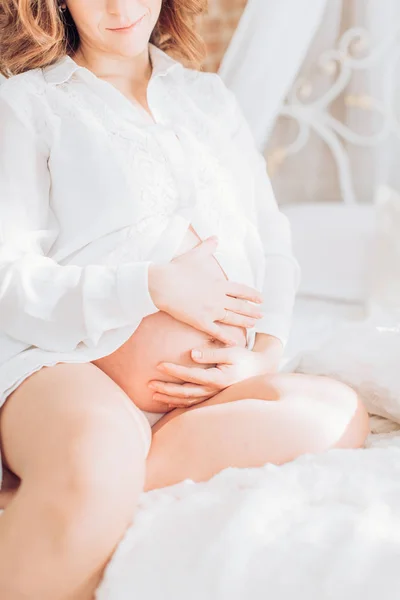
[
  {"x": 335, "y": 116},
  {"x": 265, "y": 54}
]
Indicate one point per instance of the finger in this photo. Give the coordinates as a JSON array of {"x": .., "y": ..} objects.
[
  {"x": 179, "y": 390},
  {"x": 213, "y": 356},
  {"x": 240, "y": 290},
  {"x": 231, "y": 318},
  {"x": 178, "y": 402},
  {"x": 217, "y": 333},
  {"x": 212, "y": 377},
  {"x": 243, "y": 307}
]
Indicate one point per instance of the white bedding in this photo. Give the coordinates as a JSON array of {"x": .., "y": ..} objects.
[
  {"x": 314, "y": 321},
  {"x": 320, "y": 528},
  {"x": 323, "y": 527}
]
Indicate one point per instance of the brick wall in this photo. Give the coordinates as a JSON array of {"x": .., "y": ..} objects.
[{"x": 217, "y": 27}]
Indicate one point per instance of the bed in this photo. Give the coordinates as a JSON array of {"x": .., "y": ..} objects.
[
  {"x": 320, "y": 528},
  {"x": 323, "y": 527}
]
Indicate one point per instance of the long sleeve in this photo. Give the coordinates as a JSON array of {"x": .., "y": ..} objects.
[
  {"x": 42, "y": 303},
  {"x": 282, "y": 271}
]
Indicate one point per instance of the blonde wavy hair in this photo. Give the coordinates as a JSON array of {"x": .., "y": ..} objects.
[{"x": 35, "y": 33}]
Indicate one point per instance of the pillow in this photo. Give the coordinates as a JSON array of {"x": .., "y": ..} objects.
[
  {"x": 366, "y": 355},
  {"x": 332, "y": 243}
]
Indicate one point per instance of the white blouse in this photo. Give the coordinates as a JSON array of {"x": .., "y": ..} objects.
[{"x": 93, "y": 190}]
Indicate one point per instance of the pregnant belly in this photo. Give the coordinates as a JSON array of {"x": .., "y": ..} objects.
[{"x": 161, "y": 338}]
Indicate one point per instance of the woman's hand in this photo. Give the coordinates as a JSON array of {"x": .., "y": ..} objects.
[
  {"x": 183, "y": 289},
  {"x": 227, "y": 366}
]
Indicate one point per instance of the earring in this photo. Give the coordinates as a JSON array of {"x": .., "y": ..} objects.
[{"x": 62, "y": 8}]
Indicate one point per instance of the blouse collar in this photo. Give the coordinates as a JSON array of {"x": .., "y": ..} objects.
[{"x": 61, "y": 71}]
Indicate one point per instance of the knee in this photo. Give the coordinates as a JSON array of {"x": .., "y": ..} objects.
[
  {"x": 328, "y": 408},
  {"x": 358, "y": 428},
  {"x": 346, "y": 407},
  {"x": 102, "y": 462},
  {"x": 93, "y": 497}
]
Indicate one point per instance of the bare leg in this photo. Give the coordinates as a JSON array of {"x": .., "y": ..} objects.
[
  {"x": 79, "y": 446},
  {"x": 286, "y": 416},
  {"x": 260, "y": 420}
]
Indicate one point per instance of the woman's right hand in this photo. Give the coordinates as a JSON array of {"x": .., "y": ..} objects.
[{"x": 183, "y": 289}]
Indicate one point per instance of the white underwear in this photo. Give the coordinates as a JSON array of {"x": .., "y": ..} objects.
[{"x": 153, "y": 418}]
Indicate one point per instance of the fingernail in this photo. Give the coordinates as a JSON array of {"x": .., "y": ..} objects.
[{"x": 197, "y": 354}]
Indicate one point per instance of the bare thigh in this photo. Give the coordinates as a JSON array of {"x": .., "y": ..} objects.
[
  {"x": 262, "y": 419},
  {"x": 79, "y": 446},
  {"x": 56, "y": 404},
  {"x": 286, "y": 388}
]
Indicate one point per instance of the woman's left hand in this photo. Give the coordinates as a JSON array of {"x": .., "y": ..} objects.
[{"x": 229, "y": 365}]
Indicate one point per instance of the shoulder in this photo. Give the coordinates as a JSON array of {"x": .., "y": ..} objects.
[
  {"x": 23, "y": 93},
  {"x": 210, "y": 91},
  {"x": 30, "y": 82},
  {"x": 23, "y": 103}
]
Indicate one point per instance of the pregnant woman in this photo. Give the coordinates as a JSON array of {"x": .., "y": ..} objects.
[{"x": 146, "y": 286}]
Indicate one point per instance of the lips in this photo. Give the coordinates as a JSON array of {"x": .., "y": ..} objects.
[{"x": 128, "y": 26}]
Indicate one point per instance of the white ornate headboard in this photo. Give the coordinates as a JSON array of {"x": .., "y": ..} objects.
[{"x": 335, "y": 132}]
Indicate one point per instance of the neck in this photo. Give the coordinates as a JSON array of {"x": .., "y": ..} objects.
[{"x": 129, "y": 70}]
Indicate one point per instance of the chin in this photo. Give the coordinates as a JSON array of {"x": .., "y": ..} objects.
[{"x": 130, "y": 48}]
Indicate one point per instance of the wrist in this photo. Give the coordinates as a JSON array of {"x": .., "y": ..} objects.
[
  {"x": 270, "y": 349},
  {"x": 267, "y": 343}
]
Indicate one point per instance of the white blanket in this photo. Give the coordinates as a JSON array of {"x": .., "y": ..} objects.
[{"x": 323, "y": 527}]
